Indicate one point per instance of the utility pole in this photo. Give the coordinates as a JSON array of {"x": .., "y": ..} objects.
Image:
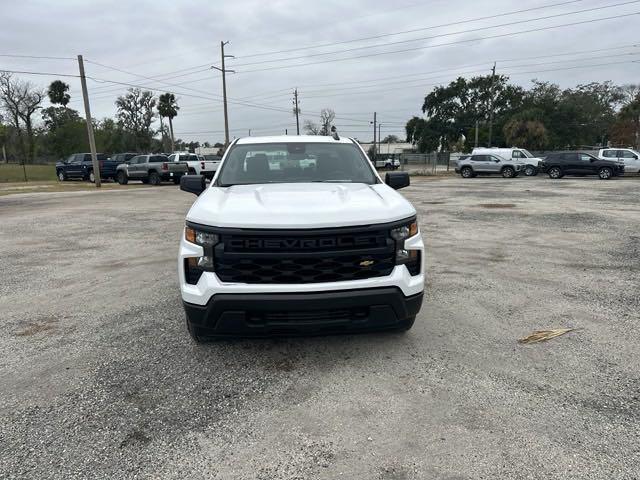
[
  {"x": 493, "y": 74},
  {"x": 296, "y": 110},
  {"x": 249, "y": 132},
  {"x": 476, "y": 142},
  {"x": 87, "y": 113},
  {"x": 375, "y": 126},
  {"x": 224, "y": 90},
  {"x": 286, "y": 131},
  {"x": 379, "y": 136}
]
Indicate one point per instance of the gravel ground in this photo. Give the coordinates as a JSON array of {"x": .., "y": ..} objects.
[{"x": 99, "y": 379}]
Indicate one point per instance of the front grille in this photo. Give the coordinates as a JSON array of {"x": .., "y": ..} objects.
[{"x": 304, "y": 257}]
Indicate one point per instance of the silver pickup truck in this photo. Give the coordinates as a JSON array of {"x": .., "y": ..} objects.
[{"x": 151, "y": 169}]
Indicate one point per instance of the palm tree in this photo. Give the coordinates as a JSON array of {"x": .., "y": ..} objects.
[
  {"x": 168, "y": 107},
  {"x": 58, "y": 93}
]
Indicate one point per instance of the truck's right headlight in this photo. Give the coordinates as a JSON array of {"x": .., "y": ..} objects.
[{"x": 194, "y": 266}]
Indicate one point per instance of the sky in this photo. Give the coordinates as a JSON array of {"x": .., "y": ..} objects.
[{"x": 355, "y": 57}]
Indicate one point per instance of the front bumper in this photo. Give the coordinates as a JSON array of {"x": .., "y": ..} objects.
[{"x": 263, "y": 314}]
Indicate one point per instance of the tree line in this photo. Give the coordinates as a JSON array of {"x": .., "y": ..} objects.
[
  {"x": 543, "y": 117},
  {"x": 28, "y": 129}
]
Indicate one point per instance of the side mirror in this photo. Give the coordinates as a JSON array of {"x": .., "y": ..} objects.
[
  {"x": 193, "y": 184},
  {"x": 397, "y": 180}
]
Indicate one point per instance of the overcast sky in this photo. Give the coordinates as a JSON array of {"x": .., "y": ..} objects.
[{"x": 181, "y": 39}]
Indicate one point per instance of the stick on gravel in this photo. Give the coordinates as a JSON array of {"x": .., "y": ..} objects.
[{"x": 543, "y": 335}]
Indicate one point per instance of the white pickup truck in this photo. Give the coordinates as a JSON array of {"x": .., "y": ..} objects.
[
  {"x": 196, "y": 165},
  {"x": 299, "y": 234},
  {"x": 629, "y": 157},
  {"x": 388, "y": 163}
]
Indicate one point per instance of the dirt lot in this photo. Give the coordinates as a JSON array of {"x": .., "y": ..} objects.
[{"x": 99, "y": 379}]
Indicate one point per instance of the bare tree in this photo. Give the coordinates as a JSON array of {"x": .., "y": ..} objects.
[
  {"x": 21, "y": 100},
  {"x": 629, "y": 93},
  {"x": 327, "y": 116},
  {"x": 311, "y": 128}
]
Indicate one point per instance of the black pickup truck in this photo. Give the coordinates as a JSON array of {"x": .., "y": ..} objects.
[{"x": 79, "y": 165}]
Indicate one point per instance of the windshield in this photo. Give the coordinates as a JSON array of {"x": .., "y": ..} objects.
[
  {"x": 527, "y": 153},
  {"x": 295, "y": 163}
]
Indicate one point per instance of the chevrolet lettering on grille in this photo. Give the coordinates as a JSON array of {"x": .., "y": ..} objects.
[{"x": 302, "y": 243}]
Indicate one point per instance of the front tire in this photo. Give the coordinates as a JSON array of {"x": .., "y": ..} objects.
[
  {"x": 508, "y": 172},
  {"x": 530, "y": 171},
  {"x": 466, "y": 172},
  {"x": 605, "y": 173},
  {"x": 122, "y": 178},
  {"x": 62, "y": 177},
  {"x": 92, "y": 177},
  {"x": 555, "y": 173},
  {"x": 176, "y": 180},
  {"x": 154, "y": 178}
]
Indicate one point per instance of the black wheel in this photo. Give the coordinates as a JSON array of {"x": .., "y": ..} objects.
[
  {"x": 605, "y": 173},
  {"x": 466, "y": 172},
  {"x": 191, "y": 171},
  {"x": 62, "y": 177},
  {"x": 91, "y": 177},
  {"x": 145, "y": 180},
  {"x": 154, "y": 178},
  {"x": 530, "y": 171},
  {"x": 407, "y": 324},
  {"x": 508, "y": 172},
  {"x": 122, "y": 178},
  {"x": 555, "y": 173},
  {"x": 176, "y": 180}
]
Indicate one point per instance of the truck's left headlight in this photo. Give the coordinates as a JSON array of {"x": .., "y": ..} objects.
[
  {"x": 194, "y": 266},
  {"x": 410, "y": 258}
]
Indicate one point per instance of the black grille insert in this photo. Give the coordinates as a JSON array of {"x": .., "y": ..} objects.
[{"x": 304, "y": 257}]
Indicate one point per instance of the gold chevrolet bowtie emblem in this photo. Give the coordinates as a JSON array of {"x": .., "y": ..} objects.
[{"x": 366, "y": 263}]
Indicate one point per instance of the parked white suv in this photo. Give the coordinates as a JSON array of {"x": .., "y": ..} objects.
[
  {"x": 629, "y": 157},
  {"x": 532, "y": 164},
  {"x": 299, "y": 234}
]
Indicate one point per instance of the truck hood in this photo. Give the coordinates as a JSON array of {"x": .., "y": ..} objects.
[{"x": 299, "y": 205}]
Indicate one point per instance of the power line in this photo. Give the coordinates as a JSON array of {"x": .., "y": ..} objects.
[
  {"x": 13, "y": 55},
  {"x": 384, "y": 35},
  {"x": 399, "y": 42},
  {"x": 356, "y": 88},
  {"x": 24, "y": 72},
  {"x": 459, "y": 42}
]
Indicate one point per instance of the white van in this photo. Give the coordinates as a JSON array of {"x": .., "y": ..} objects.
[{"x": 532, "y": 163}]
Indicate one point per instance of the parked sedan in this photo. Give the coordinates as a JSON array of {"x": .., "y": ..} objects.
[
  {"x": 486, "y": 164},
  {"x": 557, "y": 165}
]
